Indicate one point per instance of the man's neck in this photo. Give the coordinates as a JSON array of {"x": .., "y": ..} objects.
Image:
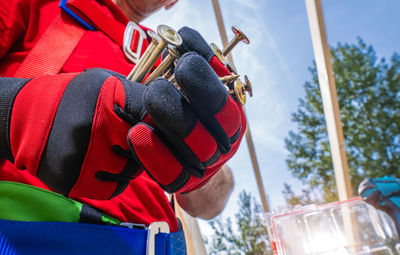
[{"x": 130, "y": 10}]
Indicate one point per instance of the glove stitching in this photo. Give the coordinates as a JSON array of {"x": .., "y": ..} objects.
[
  {"x": 213, "y": 159},
  {"x": 236, "y": 136},
  {"x": 125, "y": 115},
  {"x": 121, "y": 152}
]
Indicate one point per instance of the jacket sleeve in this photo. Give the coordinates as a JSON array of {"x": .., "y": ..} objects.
[
  {"x": 14, "y": 16},
  {"x": 9, "y": 88}
]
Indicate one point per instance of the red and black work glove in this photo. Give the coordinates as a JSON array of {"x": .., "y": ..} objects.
[
  {"x": 70, "y": 130},
  {"x": 197, "y": 130}
]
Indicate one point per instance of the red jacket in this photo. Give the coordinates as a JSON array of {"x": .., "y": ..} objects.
[{"x": 22, "y": 22}]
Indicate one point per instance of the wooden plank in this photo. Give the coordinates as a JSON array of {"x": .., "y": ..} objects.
[
  {"x": 194, "y": 240},
  {"x": 257, "y": 173},
  {"x": 329, "y": 98},
  {"x": 221, "y": 27}
]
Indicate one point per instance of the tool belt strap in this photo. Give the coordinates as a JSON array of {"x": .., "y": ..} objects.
[
  {"x": 53, "y": 49},
  {"x": 64, "y": 238},
  {"x": 38, "y": 221}
]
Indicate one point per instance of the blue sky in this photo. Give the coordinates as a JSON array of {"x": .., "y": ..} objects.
[{"x": 276, "y": 61}]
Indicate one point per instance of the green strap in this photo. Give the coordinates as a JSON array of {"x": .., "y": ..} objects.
[{"x": 22, "y": 202}]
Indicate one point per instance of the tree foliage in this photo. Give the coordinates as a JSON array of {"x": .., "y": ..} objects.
[
  {"x": 305, "y": 198},
  {"x": 368, "y": 92},
  {"x": 250, "y": 238}
]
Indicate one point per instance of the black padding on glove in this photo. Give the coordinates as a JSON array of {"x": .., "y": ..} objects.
[
  {"x": 193, "y": 41},
  {"x": 133, "y": 101},
  {"x": 9, "y": 88},
  {"x": 174, "y": 117},
  {"x": 163, "y": 102},
  {"x": 184, "y": 175},
  {"x": 134, "y": 110},
  {"x": 205, "y": 92},
  {"x": 72, "y": 128}
]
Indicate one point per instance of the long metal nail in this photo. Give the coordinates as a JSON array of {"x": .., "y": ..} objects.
[
  {"x": 239, "y": 36},
  {"x": 225, "y": 79},
  {"x": 173, "y": 54},
  {"x": 240, "y": 92},
  {"x": 168, "y": 73},
  {"x": 247, "y": 86},
  {"x": 218, "y": 53},
  {"x": 168, "y": 36},
  {"x": 155, "y": 40},
  {"x": 229, "y": 78}
]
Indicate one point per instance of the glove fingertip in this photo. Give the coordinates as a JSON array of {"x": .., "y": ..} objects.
[
  {"x": 206, "y": 93},
  {"x": 198, "y": 80},
  {"x": 156, "y": 158},
  {"x": 193, "y": 41}
]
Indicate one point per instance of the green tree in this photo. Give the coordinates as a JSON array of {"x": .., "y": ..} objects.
[
  {"x": 305, "y": 198},
  {"x": 368, "y": 91},
  {"x": 251, "y": 237}
]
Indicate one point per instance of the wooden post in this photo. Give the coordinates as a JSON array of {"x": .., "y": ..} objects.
[
  {"x": 249, "y": 139},
  {"x": 221, "y": 27},
  {"x": 329, "y": 98},
  {"x": 194, "y": 241}
]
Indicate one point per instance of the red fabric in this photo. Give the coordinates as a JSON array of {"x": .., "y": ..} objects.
[
  {"x": 62, "y": 29},
  {"x": 195, "y": 183},
  {"x": 95, "y": 13},
  {"x": 154, "y": 155},
  {"x": 142, "y": 202},
  {"x": 229, "y": 117},
  {"x": 201, "y": 142},
  {"x": 218, "y": 67},
  {"x": 32, "y": 117},
  {"x": 22, "y": 23},
  {"x": 162, "y": 165},
  {"x": 107, "y": 130}
]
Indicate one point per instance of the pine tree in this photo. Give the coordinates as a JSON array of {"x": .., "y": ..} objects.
[
  {"x": 250, "y": 238},
  {"x": 368, "y": 91}
]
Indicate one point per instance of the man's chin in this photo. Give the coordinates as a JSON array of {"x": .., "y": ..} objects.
[{"x": 169, "y": 6}]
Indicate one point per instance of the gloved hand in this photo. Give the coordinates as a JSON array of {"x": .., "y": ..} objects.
[
  {"x": 194, "y": 42},
  {"x": 196, "y": 130},
  {"x": 383, "y": 193},
  {"x": 70, "y": 130}
]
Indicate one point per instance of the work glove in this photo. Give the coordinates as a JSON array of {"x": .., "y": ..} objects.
[
  {"x": 197, "y": 128},
  {"x": 70, "y": 130},
  {"x": 384, "y": 194},
  {"x": 89, "y": 134}
]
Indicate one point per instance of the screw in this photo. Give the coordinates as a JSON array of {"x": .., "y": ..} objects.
[
  {"x": 168, "y": 37},
  {"x": 173, "y": 54},
  {"x": 247, "y": 86},
  {"x": 239, "y": 36},
  {"x": 229, "y": 78},
  {"x": 155, "y": 40}
]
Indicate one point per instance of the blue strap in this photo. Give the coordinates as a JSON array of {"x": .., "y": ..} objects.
[
  {"x": 175, "y": 244},
  {"x": 64, "y": 7},
  {"x": 62, "y": 238}
]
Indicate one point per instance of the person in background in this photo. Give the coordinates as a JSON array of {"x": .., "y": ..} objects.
[{"x": 383, "y": 193}]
